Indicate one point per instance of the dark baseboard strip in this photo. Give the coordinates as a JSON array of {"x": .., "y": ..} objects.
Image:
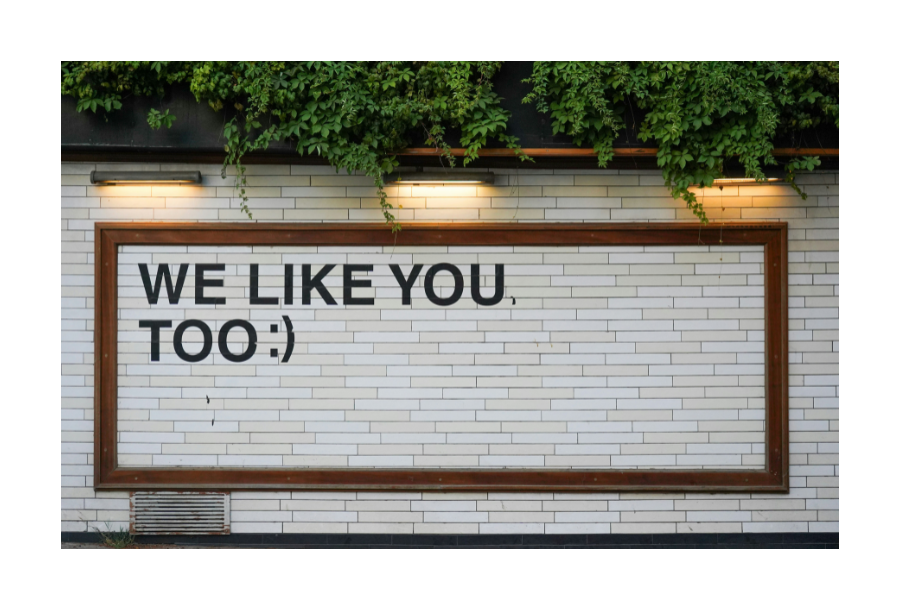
[{"x": 769, "y": 541}]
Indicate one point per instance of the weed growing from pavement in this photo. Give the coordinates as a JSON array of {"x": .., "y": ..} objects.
[{"x": 120, "y": 539}]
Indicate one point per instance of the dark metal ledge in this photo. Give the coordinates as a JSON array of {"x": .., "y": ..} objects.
[{"x": 596, "y": 541}]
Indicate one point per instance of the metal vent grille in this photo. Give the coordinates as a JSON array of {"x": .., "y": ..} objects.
[{"x": 180, "y": 512}]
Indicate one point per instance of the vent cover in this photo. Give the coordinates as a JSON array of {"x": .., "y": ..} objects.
[{"x": 180, "y": 512}]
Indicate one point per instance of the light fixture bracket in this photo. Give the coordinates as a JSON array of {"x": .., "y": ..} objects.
[
  {"x": 135, "y": 177},
  {"x": 437, "y": 177},
  {"x": 738, "y": 177}
]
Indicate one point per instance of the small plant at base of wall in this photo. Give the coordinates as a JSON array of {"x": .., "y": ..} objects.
[{"x": 118, "y": 539}]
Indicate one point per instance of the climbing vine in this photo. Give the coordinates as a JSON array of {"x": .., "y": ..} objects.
[
  {"x": 359, "y": 115},
  {"x": 699, "y": 114}
]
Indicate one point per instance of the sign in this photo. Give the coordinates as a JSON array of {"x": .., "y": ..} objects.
[{"x": 553, "y": 357}]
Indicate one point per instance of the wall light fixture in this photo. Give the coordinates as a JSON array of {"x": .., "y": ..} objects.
[
  {"x": 440, "y": 177},
  {"x": 739, "y": 179},
  {"x": 129, "y": 177}
]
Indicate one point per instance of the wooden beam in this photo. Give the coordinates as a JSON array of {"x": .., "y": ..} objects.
[{"x": 589, "y": 152}]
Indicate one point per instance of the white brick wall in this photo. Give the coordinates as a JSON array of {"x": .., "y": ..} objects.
[
  {"x": 317, "y": 194},
  {"x": 601, "y": 362}
]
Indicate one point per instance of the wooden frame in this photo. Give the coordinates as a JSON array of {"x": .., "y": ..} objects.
[{"x": 772, "y": 478}]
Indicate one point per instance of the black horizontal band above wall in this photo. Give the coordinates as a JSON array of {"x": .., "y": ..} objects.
[
  {"x": 544, "y": 159},
  {"x": 352, "y": 541}
]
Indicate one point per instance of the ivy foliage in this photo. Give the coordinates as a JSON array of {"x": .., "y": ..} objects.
[
  {"x": 359, "y": 115},
  {"x": 699, "y": 114}
]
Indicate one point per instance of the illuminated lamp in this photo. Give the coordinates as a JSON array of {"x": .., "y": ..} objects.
[
  {"x": 129, "y": 177},
  {"x": 440, "y": 177}
]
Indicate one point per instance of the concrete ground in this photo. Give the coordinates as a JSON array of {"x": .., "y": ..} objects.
[{"x": 85, "y": 545}]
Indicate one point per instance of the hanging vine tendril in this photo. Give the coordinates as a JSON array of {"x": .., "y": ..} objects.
[{"x": 699, "y": 114}]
